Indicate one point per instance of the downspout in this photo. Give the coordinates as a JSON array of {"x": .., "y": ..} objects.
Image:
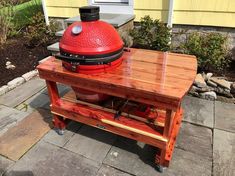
[
  {"x": 45, "y": 12},
  {"x": 170, "y": 14},
  {"x": 170, "y": 17}
]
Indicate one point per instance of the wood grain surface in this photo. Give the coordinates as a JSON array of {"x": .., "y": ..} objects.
[{"x": 144, "y": 75}]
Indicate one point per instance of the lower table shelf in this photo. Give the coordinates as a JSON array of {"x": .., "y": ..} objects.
[
  {"x": 131, "y": 127},
  {"x": 104, "y": 120}
]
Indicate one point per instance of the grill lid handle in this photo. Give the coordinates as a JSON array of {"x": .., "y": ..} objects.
[
  {"x": 89, "y": 13},
  {"x": 77, "y": 29}
]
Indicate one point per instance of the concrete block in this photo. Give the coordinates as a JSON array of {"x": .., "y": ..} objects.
[
  {"x": 4, "y": 89},
  {"x": 106, "y": 170},
  {"x": 22, "y": 93},
  {"x": 54, "y": 47},
  {"x": 115, "y": 20},
  {"x": 223, "y": 153},
  {"x": 47, "y": 159},
  {"x": 9, "y": 117},
  {"x": 43, "y": 60},
  {"x": 91, "y": 143},
  {"x": 187, "y": 163},
  {"x": 60, "y": 140},
  {"x": 138, "y": 159},
  {"x": 59, "y": 33},
  {"x": 15, "y": 82},
  {"x": 225, "y": 116},
  {"x": 198, "y": 111},
  {"x": 132, "y": 157},
  {"x": 29, "y": 75},
  {"x": 38, "y": 100},
  {"x": 19, "y": 139},
  {"x": 5, "y": 164},
  {"x": 195, "y": 139}
]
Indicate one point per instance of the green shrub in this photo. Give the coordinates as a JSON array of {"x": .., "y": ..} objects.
[
  {"x": 211, "y": 50},
  {"x": 5, "y": 23},
  {"x": 5, "y": 3},
  {"x": 21, "y": 14},
  {"x": 151, "y": 34},
  {"x": 38, "y": 33}
]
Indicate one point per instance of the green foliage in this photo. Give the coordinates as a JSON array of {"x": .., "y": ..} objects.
[
  {"x": 5, "y": 23},
  {"x": 211, "y": 50},
  {"x": 151, "y": 34},
  {"x": 5, "y": 3},
  {"x": 21, "y": 14},
  {"x": 38, "y": 33}
]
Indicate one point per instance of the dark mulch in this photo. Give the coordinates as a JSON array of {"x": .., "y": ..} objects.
[
  {"x": 230, "y": 74},
  {"x": 24, "y": 58}
]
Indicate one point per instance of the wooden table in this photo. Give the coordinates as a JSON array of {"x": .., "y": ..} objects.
[{"x": 159, "y": 79}]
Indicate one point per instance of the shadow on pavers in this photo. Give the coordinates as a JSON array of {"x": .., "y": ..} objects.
[
  {"x": 42, "y": 100},
  {"x": 19, "y": 173},
  {"x": 44, "y": 105},
  {"x": 46, "y": 116},
  {"x": 145, "y": 152}
]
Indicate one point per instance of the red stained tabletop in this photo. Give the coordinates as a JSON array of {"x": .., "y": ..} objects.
[{"x": 159, "y": 74}]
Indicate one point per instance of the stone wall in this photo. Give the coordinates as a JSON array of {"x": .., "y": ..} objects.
[
  {"x": 180, "y": 33},
  {"x": 60, "y": 22}
]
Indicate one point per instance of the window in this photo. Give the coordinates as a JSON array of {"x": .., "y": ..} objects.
[
  {"x": 112, "y": 1},
  {"x": 114, "y": 6}
]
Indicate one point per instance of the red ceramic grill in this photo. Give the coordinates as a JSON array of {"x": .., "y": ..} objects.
[{"x": 90, "y": 46}]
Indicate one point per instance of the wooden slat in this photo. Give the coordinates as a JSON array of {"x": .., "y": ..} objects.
[
  {"x": 131, "y": 94},
  {"x": 71, "y": 111},
  {"x": 165, "y": 77},
  {"x": 70, "y": 96},
  {"x": 126, "y": 127}
]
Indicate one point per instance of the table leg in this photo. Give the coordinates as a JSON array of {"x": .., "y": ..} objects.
[
  {"x": 168, "y": 123},
  {"x": 59, "y": 122},
  {"x": 52, "y": 91},
  {"x": 160, "y": 158}
]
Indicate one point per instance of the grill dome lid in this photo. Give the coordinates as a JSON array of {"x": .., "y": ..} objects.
[{"x": 90, "y": 37}]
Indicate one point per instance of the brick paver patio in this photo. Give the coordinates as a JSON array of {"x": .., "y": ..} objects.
[{"x": 29, "y": 147}]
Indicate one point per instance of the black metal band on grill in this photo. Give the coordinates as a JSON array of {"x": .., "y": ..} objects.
[
  {"x": 90, "y": 56},
  {"x": 90, "y": 60}
]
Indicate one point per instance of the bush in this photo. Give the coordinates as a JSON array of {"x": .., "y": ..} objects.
[
  {"x": 5, "y": 23},
  {"x": 17, "y": 16},
  {"x": 23, "y": 14},
  {"x": 211, "y": 50},
  {"x": 5, "y": 3},
  {"x": 151, "y": 34},
  {"x": 38, "y": 33}
]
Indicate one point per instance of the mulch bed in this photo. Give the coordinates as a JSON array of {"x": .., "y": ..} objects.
[{"x": 24, "y": 58}]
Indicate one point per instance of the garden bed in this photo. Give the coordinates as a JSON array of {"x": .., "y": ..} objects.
[
  {"x": 24, "y": 37},
  {"x": 23, "y": 58}
]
